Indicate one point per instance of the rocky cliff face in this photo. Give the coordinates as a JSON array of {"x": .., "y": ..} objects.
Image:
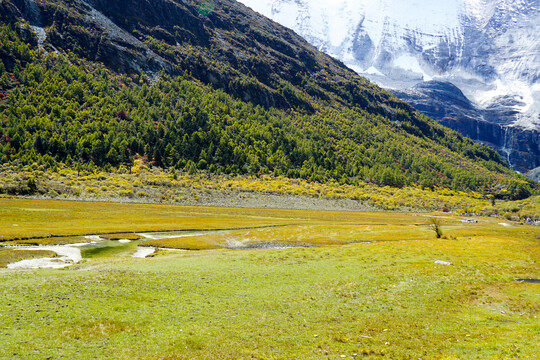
[
  {"x": 446, "y": 103},
  {"x": 220, "y": 46},
  {"x": 86, "y": 31},
  {"x": 488, "y": 49}
]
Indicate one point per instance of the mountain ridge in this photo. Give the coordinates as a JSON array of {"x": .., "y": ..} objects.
[{"x": 293, "y": 111}]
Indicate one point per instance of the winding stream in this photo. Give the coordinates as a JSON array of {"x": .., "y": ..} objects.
[
  {"x": 98, "y": 247},
  {"x": 67, "y": 255}
]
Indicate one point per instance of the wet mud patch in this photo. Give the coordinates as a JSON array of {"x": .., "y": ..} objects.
[
  {"x": 532, "y": 281},
  {"x": 262, "y": 245}
]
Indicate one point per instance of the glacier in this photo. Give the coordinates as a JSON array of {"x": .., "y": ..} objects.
[{"x": 488, "y": 49}]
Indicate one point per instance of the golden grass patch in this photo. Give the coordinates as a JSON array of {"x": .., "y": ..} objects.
[
  {"x": 184, "y": 243},
  {"x": 70, "y": 218},
  {"x": 22, "y": 218},
  {"x": 45, "y": 241}
]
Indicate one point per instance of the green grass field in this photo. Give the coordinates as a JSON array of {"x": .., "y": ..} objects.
[{"x": 367, "y": 286}]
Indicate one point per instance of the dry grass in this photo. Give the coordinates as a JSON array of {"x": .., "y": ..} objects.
[
  {"x": 185, "y": 243},
  {"x": 24, "y": 218},
  {"x": 27, "y": 218},
  {"x": 299, "y": 235},
  {"x": 158, "y": 185},
  {"x": 37, "y": 220}
]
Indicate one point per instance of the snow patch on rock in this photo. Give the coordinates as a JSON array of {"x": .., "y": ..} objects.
[{"x": 487, "y": 48}]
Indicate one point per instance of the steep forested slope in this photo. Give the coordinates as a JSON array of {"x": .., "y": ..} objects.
[{"x": 213, "y": 87}]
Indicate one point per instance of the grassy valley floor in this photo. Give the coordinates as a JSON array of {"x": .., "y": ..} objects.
[{"x": 364, "y": 285}]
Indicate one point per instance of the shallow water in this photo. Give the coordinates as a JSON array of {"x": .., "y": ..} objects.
[
  {"x": 99, "y": 247},
  {"x": 108, "y": 248},
  {"x": 268, "y": 245},
  {"x": 67, "y": 255},
  {"x": 93, "y": 238},
  {"x": 237, "y": 244},
  {"x": 532, "y": 281},
  {"x": 143, "y": 252},
  {"x": 171, "y": 235}
]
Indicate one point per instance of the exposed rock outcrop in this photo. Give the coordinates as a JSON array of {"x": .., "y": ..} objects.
[{"x": 445, "y": 103}]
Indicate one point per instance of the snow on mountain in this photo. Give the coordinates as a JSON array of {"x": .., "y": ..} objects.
[{"x": 489, "y": 49}]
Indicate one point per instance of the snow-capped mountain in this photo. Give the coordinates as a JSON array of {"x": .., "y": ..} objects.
[{"x": 489, "y": 49}]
